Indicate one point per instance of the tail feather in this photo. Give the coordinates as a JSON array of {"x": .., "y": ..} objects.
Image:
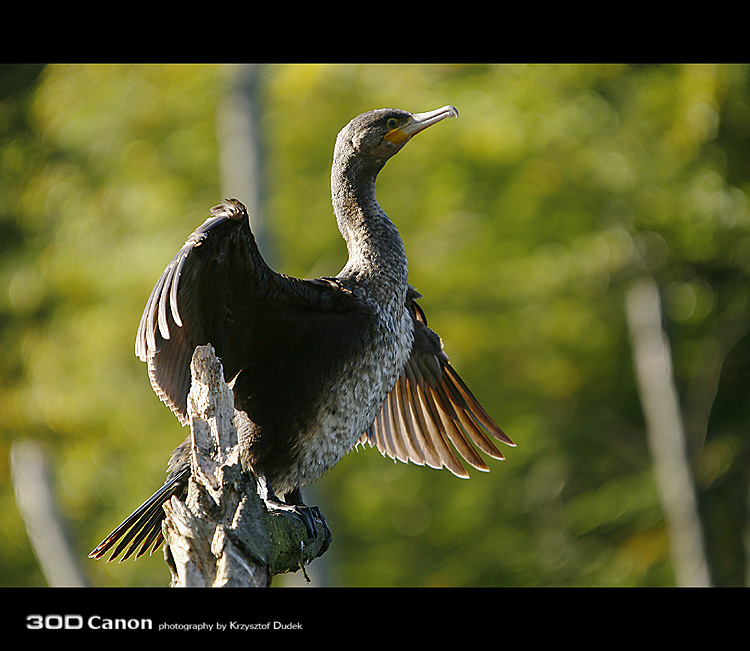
[{"x": 141, "y": 530}]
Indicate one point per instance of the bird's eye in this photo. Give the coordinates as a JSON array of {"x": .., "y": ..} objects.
[{"x": 392, "y": 123}]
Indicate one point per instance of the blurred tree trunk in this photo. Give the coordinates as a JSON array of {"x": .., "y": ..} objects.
[
  {"x": 241, "y": 148},
  {"x": 665, "y": 432},
  {"x": 44, "y": 522}
]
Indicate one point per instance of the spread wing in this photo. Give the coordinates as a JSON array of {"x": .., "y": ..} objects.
[
  {"x": 219, "y": 290},
  {"x": 431, "y": 417}
]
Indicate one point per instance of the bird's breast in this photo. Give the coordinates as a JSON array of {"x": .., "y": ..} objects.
[{"x": 349, "y": 405}]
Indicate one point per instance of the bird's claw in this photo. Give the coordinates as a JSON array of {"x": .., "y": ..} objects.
[{"x": 307, "y": 514}]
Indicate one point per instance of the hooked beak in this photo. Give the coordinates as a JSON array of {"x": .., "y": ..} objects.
[{"x": 419, "y": 122}]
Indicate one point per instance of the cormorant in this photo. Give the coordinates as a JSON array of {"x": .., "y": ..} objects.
[{"x": 316, "y": 365}]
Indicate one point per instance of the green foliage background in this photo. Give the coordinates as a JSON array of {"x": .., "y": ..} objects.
[{"x": 524, "y": 222}]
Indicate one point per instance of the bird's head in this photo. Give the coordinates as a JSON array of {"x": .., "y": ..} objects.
[{"x": 377, "y": 135}]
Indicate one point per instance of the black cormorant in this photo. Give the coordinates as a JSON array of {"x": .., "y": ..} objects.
[{"x": 317, "y": 365}]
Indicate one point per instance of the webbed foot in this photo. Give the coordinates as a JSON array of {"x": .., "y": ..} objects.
[{"x": 293, "y": 503}]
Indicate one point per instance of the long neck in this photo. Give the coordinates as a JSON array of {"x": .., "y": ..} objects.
[{"x": 376, "y": 252}]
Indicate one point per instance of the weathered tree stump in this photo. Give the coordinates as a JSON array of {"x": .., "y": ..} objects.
[{"x": 223, "y": 535}]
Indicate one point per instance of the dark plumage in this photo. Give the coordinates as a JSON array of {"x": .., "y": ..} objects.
[{"x": 317, "y": 365}]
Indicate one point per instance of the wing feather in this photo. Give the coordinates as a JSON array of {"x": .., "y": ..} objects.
[
  {"x": 431, "y": 417},
  {"x": 185, "y": 307},
  {"x": 213, "y": 291}
]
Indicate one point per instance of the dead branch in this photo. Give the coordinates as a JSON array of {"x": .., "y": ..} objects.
[{"x": 223, "y": 535}]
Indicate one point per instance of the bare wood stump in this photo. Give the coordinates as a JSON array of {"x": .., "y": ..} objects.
[{"x": 223, "y": 535}]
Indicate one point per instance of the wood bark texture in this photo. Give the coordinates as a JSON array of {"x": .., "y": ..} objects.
[{"x": 223, "y": 535}]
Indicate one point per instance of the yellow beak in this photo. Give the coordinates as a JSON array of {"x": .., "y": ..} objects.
[{"x": 419, "y": 122}]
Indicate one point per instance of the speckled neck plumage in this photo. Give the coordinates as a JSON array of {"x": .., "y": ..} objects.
[{"x": 377, "y": 259}]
